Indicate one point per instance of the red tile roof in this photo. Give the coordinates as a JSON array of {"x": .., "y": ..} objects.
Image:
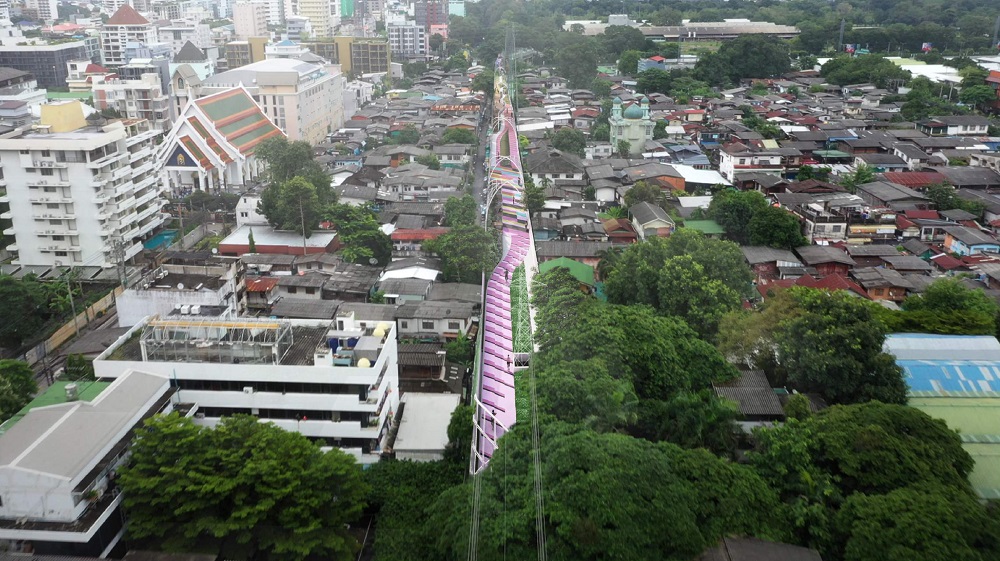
[
  {"x": 914, "y": 178},
  {"x": 947, "y": 262},
  {"x": 95, "y": 69},
  {"x": 413, "y": 235},
  {"x": 261, "y": 284},
  {"x": 928, "y": 214},
  {"x": 829, "y": 282},
  {"x": 126, "y": 15}
]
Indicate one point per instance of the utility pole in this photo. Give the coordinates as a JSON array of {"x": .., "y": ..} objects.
[
  {"x": 996, "y": 32},
  {"x": 68, "y": 273},
  {"x": 840, "y": 42}
]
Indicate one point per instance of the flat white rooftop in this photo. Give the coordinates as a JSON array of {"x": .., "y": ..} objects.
[{"x": 424, "y": 424}]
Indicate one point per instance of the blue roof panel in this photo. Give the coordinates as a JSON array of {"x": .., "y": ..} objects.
[{"x": 952, "y": 377}]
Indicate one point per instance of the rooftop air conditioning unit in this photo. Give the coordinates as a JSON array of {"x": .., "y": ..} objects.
[{"x": 248, "y": 389}]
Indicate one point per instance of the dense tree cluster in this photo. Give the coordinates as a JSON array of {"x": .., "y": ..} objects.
[
  {"x": 298, "y": 189},
  {"x": 466, "y": 251},
  {"x": 27, "y": 304},
  {"x": 828, "y": 343},
  {"x": 689, "y": 276},
  {"x": 748, "y": 219},
  {"x": 244, "y": 489},
  {"x": 875, "y": 477},
  {"x": 17, "y": 386},
  {"x": 947, "y": 307}
]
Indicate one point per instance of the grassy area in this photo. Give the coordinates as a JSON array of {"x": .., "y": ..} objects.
[
  {"x": 522, "y": 395},
  {"x": 519, "y": 309}
]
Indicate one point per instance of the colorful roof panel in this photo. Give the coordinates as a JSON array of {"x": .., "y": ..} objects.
[{"x": 235, "y": 114}]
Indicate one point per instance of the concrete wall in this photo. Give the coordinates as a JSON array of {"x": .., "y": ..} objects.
[{"x": 70, "y": 328}]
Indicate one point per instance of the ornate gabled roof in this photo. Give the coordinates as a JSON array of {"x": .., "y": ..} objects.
[
  {"x": 237, "y": 117},
  {"x": 126, "y": 15}
]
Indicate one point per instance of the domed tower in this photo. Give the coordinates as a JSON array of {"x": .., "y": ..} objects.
[{"x": 633, "y": 125}]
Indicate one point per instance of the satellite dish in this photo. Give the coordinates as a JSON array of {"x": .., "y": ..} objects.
[
  {"x": 215, "y": 251},
  {"x": 373, "y": 261},
  {"x": 180, "y": 286}
]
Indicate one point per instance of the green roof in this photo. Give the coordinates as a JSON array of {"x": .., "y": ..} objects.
[
  {"x": 977, "y": 419},
  {"x": 831, "y": 154},
  {"x": 709, "y": 227},
  {"x": 54, "y": 395},
  {"x": 69, "y": 95},
  {"x": 581, "y": 272},
  {"x": 220, "y": 106}
]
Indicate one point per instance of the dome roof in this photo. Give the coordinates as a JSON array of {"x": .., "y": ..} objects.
[
  {"x": 617, "y": 100},
  {"x": 633, "y": 112}
]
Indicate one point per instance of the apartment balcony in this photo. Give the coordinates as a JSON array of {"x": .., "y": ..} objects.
[
  {"x": 8, "y": 231},
  {"x": 122, "y": 206},
  {"x": 145, "y": 182},
  {"x": 56, "y": 232},
  {"x": 105, "y": 161},
  {"x": 121, "y": 173},
  {"x": 142, "y": 169},
  {"x": 124, "y": 189},
  {"x": 146, "y": 198},
  {"x": 47, "y": 182},
  {"x": 5, "y": 198},
  {"x": 50, "y": 198},
  {"x": 101, "y": 198},
  {"x": 140, "y": 154},
  {"x": 46, "y": 214}
]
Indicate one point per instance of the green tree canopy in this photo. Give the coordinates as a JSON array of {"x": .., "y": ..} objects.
[
  {"x": 748, "y": 56},
  {"x": 460, "y": 211},
  {"x": 360, "y": 233},
  {"x": 465, "y": 251},
  {"x": 917, "y": 523},
  {"x": 459, "y": 136},
  {"x": 286, "y": 160},
  {"x": 242, "y": 486},
  {"x": 635, "y": 279},
  {"x": 628, "y": 63},
  {"x": 17, "y": 386},
  {"x": 576, "y": 58},
  {"x": 776, "y": 227},
  {"x": 592, "y": 480},
  {"x": 948, "y": 307},
  {"x": 483, "y": 82},
  {"x": 569, "y": 140},
  {"x": 734, "y": 210},
  {"x": 845, "y": 69},
  {"x": 643, "y": 192},
  {"x": 408, "y": 135},
  {"x": 834, "y": 348},
  {"x": 429, "y": 160},
  {"x": 292, "y": 205}
]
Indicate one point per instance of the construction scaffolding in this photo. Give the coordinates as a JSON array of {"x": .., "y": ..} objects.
[{"x": 196, "y": 339}]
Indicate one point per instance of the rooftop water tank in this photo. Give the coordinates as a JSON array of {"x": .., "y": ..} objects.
[{"x": 364, "y": 363}]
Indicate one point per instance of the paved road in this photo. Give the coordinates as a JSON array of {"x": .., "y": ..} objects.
[
  {"x": 477, "y": 163},
  {"x": 51, "y": 366}
]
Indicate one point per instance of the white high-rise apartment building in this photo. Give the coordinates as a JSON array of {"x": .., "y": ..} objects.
[
  {"x": 47, "y": 9},
  {"x": 178, "y": 33},
  {"x": 250, "y": 20},
  {"x": 78, "y": 192},
  {"x": 407, "y": 40},
  {"x": 319, "y": 14},
  {"x": 124, "y": 27}
]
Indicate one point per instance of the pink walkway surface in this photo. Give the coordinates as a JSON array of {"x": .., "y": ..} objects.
[{"x": 495, "y": 408}]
